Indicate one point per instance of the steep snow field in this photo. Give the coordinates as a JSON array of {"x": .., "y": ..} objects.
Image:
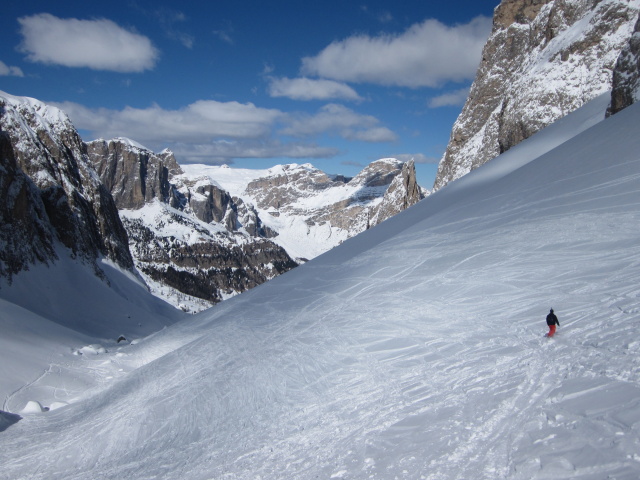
[{"x": 412, "y": 351}]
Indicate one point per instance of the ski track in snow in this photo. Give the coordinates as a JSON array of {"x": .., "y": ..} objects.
[{"x": 421, "y": 357}]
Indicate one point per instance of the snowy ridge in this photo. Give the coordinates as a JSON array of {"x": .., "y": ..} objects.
[
  {"x": 414, "y": 350},
  {"x": 47, "y": 117}
]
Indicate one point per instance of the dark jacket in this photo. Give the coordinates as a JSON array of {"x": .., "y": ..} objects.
[{"x": 552, "y": 319}]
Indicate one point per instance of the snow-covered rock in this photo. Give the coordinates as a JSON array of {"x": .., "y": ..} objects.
[
  {"x": 192, "y": 242},
  {"x": 50, "y": 192},
  {"x": 543, "y": 59},
  {"x": 33, "y": 406},
  {"x": 314, "y": 212}
]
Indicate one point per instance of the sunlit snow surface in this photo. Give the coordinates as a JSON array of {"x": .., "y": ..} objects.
[{"x": 414, "y": 350}]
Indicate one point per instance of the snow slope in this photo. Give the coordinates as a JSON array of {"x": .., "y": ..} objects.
[
  {"x": 49, "y": 314},
  {"x": 414, "y": 350}
]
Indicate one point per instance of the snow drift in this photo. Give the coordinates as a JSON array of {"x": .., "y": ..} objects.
[{"x": 414, "y": 350}]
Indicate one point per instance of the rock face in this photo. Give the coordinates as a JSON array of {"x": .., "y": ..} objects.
[
  {"x": 626, "y": 76},
  {"x": 543, "y": 59},
  {"x": 195, "y": 265},
  {"x": 25, "y": 231},
  {"x": 403, "y": 192},
  {"x": 50, "y": 192},
  {"x": 133, "y": 174},
  {"x": 193, "y": 243}
]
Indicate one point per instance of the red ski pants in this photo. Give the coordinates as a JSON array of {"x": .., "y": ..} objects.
[{"x": 552, "y": 330}]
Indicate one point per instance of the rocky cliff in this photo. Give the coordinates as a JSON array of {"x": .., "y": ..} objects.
[
  {"x": 50, "y": 193},
  {"x": 543, "y": 59},
  {"x": 193, "y": 264},
  {"x": 133, "y": 174},
  {"x": 626, "y": 76},
  {"x": 193, "y": 243},
  {"x": 196, "y": 243}
]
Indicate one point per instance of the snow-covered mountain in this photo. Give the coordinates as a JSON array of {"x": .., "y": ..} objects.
[
  {"x": 414, "y": 350},
  {"x": 200, "y": 234},
  {"x": 543, "y": 59},
  {"x": 309, "y": 211},
  {"x": 50, "y": 193},
  {"x": 192, "y": 242},
  {"x": 66, "y": 274}
]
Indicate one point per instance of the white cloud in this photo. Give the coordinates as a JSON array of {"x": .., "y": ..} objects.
[
  {"x": 9, "y": 71},
  {"x": 200, "y": 122},
  {"x": 96, "y": 44},
  {"x": 225, "y": 33},
  {"x": 371, "y": 135},
  {"x": 222, "y": 151},
  {"x": 426, "y": 55},
  {"x": 205, "y": 131},
  {"x": 311, "y": 89},
  {"x": 211, "y": 131},
  {"x": 340, "y": 120},
  {"x": 451, "y": 99}
]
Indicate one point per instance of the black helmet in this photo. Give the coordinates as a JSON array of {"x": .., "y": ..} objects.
[{"x": 551, "y": 311}]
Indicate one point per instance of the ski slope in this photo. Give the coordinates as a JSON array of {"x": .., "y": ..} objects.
[{"x": 412, "y": 351}]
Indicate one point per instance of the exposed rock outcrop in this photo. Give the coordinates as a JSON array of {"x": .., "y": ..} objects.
[
  {"x": 543, "y": 59},
  {"x": 26, "y": 235},
  {"x": 403, "y": 192},
  {"x": 51, "y": 192},
  {"x": 133, "y": 174},
  {"x": 208, "y": 265},
  {"x": 626, "y": 76}
]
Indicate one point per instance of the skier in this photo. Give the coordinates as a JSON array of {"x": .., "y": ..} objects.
[{"x": 552, "y": 321}]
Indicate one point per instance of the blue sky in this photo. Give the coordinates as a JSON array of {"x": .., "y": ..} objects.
[{"x": 253, "y": 83}]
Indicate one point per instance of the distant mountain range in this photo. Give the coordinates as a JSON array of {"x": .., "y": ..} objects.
[{"x": 192, "y": 241}]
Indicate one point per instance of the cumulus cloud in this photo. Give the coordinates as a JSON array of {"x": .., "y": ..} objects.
[
  {"x": 9, "y": 71},
  {"x": 450, "y": 99},
  {"x": 96, "y": 44},
  {"x": 311, "y": 89},
  {"x": 342, "y": 121},
  {"x": 428, "y": 54},
  {"x": 198, "y": 122}
]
